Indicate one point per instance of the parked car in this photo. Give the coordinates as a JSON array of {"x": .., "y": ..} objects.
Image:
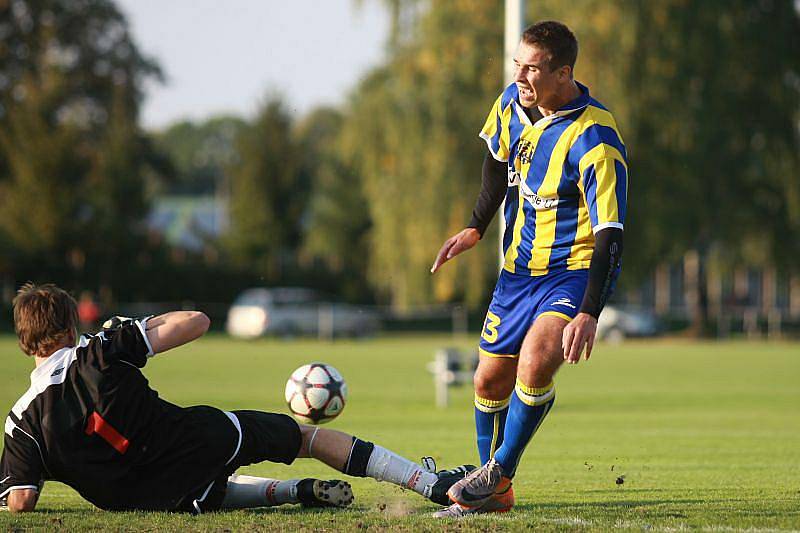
[
  {"x": 618, "y": 323},
  {"x": 291, "y": 311}
]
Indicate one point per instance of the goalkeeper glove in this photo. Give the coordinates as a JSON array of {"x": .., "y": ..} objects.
[{"x": 118, "y": 322}]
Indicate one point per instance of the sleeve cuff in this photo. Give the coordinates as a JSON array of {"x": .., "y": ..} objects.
[
  {"x": 488, "y": 140},
  {"x": 605, "y": 225},
  {"x": 142, "y": 325},
  {"x": 18, "y": 487}
]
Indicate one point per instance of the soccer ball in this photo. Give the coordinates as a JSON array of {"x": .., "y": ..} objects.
[{"x": 316, "y": 393}]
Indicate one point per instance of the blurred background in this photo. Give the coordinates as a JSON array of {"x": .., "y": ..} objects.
[{"x": 158, "y": 155}]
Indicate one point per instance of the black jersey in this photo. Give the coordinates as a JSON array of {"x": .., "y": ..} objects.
[{"x": 91, "y": 420}]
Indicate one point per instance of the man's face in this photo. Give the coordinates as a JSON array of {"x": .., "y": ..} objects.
[{"x": 536, "y": 83}]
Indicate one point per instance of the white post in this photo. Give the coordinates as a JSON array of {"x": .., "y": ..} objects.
[
  {"x": 440, "y": 378},
  {"x": 515, "y": 15},
  {"x": 325, "y": 330}
]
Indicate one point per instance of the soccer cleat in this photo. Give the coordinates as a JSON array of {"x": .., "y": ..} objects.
[
  {"x": 498, "y": 503},
  {"x": 318, "y": 493},
  {"x": 437, "y": 492},
  {"x": 479, "y": 486},
  {"x": 501, "y": 502}
]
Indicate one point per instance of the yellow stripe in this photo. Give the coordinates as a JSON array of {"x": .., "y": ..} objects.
[
  {"x": 495, "y": 432},
  {"x": 546, "y": 218},
  {"x": 505, "y": 132},
  {"x": 581, "y": 251},
  {"x": 598, "y": 153},
  {"x": 556, "y": 313},
  {"x": 534, "y": 391},
  {"x": 481, "y": 351},
  {"x": 513, "y": 250},
  {"x": 534, "y": 396},
  {"x": 489, "y": 130},
  {"x": 492, "y": 403},
  {"x": 607, "y": 208},
  {"x": 580, "y": 255},
  {"x": 490, "y": 126},
  {"x": 532, "y": 135}
]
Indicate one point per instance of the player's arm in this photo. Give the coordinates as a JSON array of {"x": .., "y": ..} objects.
[
  {"x": 493, "y": 190},
  {"x": 604, "y": 184},
  {"x": 22, "y": 500},
  {"x": 20, "y": 469},
  {"x": 602, "y": 274},
  {"x": 174, "y": 329}
]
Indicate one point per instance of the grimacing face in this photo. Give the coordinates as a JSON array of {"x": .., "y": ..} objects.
[{"x": 537, "y": 85}]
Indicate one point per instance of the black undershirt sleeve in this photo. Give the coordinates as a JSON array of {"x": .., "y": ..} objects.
[
  {"x": 494, "y": 183},
  {"x": 603, "y": 270}
]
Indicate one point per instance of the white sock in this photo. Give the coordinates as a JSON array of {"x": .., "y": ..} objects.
[
  {"x": 247, "y": 491},
  {"x": 384, "y": 465}
]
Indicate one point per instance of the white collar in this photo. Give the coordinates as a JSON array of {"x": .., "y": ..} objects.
[{"x": 544, "y": 121}]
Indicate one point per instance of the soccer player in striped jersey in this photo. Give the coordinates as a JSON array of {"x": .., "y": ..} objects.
[
  {"x": 556, "y": 156},
  {"x": 91, "y": 420}
]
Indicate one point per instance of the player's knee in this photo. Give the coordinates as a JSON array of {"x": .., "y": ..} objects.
[
  {"x": 492, "y": 386},
  {"x": 307, "y": 434},
  {"x": 539, "y": 371}
]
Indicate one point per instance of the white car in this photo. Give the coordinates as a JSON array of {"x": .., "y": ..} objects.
[
  {"x": 290, "y": 311},
  {"x": 618, "y": 323}
]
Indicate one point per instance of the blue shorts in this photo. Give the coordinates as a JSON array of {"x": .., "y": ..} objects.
[{"x": 519, "y": 299}]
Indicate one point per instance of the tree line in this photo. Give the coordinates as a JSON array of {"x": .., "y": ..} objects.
[{"x": 357, "y": 199}]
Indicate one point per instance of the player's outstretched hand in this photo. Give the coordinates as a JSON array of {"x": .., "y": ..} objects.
[
  {"x": 579, "y": 333},
  {"x": 461, "y": 241}
]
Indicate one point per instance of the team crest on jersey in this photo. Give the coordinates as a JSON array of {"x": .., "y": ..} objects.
[{"x": 525, "y": 151}]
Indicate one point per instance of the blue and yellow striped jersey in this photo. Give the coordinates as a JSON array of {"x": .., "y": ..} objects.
[{"x": 568, "y": 179}]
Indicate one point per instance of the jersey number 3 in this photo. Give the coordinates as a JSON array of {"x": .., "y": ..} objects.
[{"x": 490, "y": 327}]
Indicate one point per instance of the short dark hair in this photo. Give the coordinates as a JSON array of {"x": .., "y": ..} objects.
[
  {"x": 45, "y": 317},
  {"x": 557, "y": 39}
]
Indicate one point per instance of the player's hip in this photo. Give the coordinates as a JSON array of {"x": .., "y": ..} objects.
[{"x": 518, "y": 300}]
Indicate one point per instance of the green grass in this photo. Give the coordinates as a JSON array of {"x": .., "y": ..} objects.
[{"x": 707, "y": 436}]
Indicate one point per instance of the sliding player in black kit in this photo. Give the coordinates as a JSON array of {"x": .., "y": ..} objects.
[{"x": 90, "y": 420}]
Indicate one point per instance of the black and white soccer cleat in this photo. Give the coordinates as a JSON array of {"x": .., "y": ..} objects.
[
  {"x": 319, "y": 493},
  {"x": 437, "y": 493}
]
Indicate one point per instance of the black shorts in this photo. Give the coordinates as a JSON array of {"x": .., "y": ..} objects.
[{"x": 264, "y": 437}]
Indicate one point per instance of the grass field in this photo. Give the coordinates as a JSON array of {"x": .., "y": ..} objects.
[{"x": 706, "y": 435}]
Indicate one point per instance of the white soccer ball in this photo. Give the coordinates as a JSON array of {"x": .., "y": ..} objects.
[{"x": 316, "y": 393}]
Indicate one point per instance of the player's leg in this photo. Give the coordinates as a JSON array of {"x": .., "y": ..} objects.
[
  {"x": 244, "y": 492},
  {"x": 554, "y": 300},
  {"x": 359, "y": 458},
  {"x": 534, "y": 393},
  {"x": 540, "y": 358},
  {"x": 531, "y": 400},
  {"x": 494, "y": 382},
  {"x": 507, "y": 322}
]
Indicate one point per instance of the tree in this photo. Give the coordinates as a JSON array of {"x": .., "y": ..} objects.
[
  {"x": 267, "y": 200},
  {"x": 201, "y": 152},
  {"x": 707, "y": 97},
  {"x": 72, "y": 157},
  {"x": 411, "y": 133},
  {"x": 337, "y": 222}
]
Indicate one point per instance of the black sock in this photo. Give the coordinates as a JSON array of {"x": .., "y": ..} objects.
[{"x": 359, "y": 457}]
